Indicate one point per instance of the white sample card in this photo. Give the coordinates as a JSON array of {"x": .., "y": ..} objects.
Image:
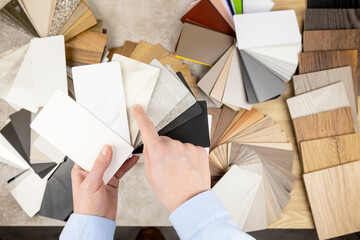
[
  {"x": 266, "y": 29},
  {"x": 99, "y": 89},
  {"x": 253, "y": 6},
  {"x": 139, "y": 81},
  {"x": 48, "y": 67},
  {"x": 234, "y": 93},
  {"x": 21, "y": 92},
  {"x": 78, "y": 134}
]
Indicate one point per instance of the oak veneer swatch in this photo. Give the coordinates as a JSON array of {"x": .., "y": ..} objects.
[
  {"x": 334, "y": 195},
  {"x": 333, "y": 4},
  {"x": 86, "y": 21},
  {"x": 215, "y": 113},
  {"x": 57, "y": 202},
  {"x": 332, "y": 19},
  {"x": 56, "y": 130},
  {"x": 87, "y": 47},
  {"x": 328, "y": 152},
  {"x": 327, "y": 124},
  {"x": 100, "y": 85},
  {"x": 320, "y": 100},
  {"x": 201, "y": 44},
  {"x": 322, "y": 60},
  {"x": 226, "y": 116},
  {"x": 206, "y": 14}
]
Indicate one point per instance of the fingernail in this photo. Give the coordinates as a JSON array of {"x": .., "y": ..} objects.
[
  {"x": 105, "y": 150},
  {"x": 137, "y": 108}
]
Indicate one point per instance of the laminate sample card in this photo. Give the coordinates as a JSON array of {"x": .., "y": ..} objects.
[
  {"x": 332, "y": 19},
  {"x": 333, "y": 4},
  {"x": 201, "y": 44},
  {"x": 139, "y": 80},
  {"x": 322, "y": 60},
  {"x": 326, "y": 124},
  {"x": 79, "y": 135},
  {"x": 99, "y": 89},
  {"x": 321, "y": 100},
  {"x": 205, "y": 13},
  {"x": 311, "y": 81},
  {"x": 334, "y": 195}
]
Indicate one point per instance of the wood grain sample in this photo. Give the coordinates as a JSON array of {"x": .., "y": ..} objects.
[
  {"x": 86, "y": 21},
  {"x": 332, "y": 19},
  {"x": 76, "y": 15},
  {"x": 334, "y": 195},
  {"x": 171, "y": 60},
  {"x": 158, "y": 51},
  {"x": 311, "y": 81},
  {"x": 142, "y": 48},
  {"x": 226, "y": 116},
  {"x": 215, "y": 113},
  {"x": 327, "y": 152},
  {"x": 347, "y": 39},
  {"x": 322, "y": 60},
  {"x": 320, "y": 100},
  {"x": 87, "y": 47},
  {"x": 322, "y": 125},
  {"x": 128, "y": 48}
]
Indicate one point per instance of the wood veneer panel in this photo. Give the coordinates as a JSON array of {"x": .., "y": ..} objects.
[
  {"x": 319, "y": 154},
  {"x": 334, "y": 195},
  {"x": 128, "y": 48},
  {"x": 142, "y": 48},
  {"x": 86, "y": 21},
  {"x": 347, "y": 39},
  {"x": 322, "y": 125},
  {"x": 87, "y": 47},
  {"x": 171, "y": 60},
  {"x": 332, "y": 19},
  {"x": 158, "y": 51},
  {"x": 348, "y": 147},
  {"x": 322, "y": 60}
]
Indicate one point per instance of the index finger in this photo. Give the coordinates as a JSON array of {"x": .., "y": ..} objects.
[{"x": 149, "y": 135}]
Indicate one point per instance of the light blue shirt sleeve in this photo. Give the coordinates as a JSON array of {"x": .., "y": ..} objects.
[
  {"x": 88, "y": 227},
  {"x": 205, "y": 217}
]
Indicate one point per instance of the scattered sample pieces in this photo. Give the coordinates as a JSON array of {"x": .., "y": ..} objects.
[
  {"x": 63, "y": 10},
  {"x": 56, "y": 129}
]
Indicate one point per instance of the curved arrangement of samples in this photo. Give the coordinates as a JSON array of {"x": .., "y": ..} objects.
[
  {"x": 251, "y": 167},
  {"x": 252, "y": 53}
]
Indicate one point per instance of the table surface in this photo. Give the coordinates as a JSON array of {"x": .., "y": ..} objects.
[{"x": 157, "y": 21}]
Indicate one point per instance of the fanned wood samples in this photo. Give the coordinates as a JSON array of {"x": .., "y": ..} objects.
[{"x": 255, "y": 143}]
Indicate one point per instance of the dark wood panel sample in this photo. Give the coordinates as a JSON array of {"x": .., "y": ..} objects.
[
  {"x": 322, "y": 60},
  {"x": 333, "y": 3},
  {"x": 322, "y": 40},
  {"x": 331, "y": 19},
  {"x": 322, "y": 125}
]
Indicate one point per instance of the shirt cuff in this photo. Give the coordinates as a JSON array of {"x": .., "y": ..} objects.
[
  {"x": 81, "y": 226},
  {"x": 197, "y": 213}
]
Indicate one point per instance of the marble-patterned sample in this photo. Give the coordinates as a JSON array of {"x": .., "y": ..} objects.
[
  {"x": 139, "y": 80},
  {"x": 11, "y": 37},
  {"x": 63, "y": 10},
  {"x": 79, "y": 135},
  {"x": 99, "y": 89}
]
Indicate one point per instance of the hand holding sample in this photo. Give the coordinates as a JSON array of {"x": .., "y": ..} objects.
[
  {"x": 91, "y": 196},
  {"x": 176, "y": 171}
]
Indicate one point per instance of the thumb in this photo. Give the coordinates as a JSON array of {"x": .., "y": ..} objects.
[
  {"x": 149, "y": 135},
  {"x": 102, "y": 162}
]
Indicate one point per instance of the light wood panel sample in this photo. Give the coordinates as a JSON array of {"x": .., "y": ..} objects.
[
  {"x": 308, "y": 82},
  {"x": 171, "y": 60},
  {"x": 328, "y": 152},
  {"x": 128, "y": 48},
  {"x": 215, "y": 113},
  {"x": 334, "y": 195},
  {"x": 322, "y": 125},
  {"x": 86, "y": 21},
  {"x": 317, "y": 61},
  {"x": 78, "y": 12},
  {"x": 142, "y": 48},
  {"x": 320, "y": 100},
  {"x": 158, "y": 51},
  {"x": 87, "y": 47}
]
